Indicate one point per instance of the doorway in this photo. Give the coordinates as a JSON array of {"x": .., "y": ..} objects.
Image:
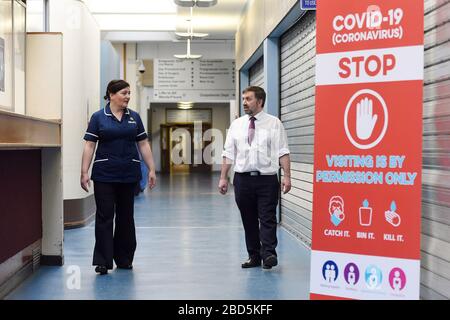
[{"x": 181, "y": 151}]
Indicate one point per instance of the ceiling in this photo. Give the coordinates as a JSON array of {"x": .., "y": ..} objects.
[{"x": 158, "y": 20}]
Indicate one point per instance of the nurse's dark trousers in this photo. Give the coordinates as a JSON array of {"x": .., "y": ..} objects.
[{"x": 114, "y": 241}]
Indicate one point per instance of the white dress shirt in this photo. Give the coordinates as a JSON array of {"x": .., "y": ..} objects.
[{"x": 268, "y": 145}]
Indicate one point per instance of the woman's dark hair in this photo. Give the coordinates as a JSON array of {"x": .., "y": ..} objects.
[{"x": 115, "y": 86}]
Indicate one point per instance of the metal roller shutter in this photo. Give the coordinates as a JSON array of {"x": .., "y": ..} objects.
[
  {"x": 256, "y": 73},
  {"x": 435, "y": 244},
  {"x": 297, "y": 62}
]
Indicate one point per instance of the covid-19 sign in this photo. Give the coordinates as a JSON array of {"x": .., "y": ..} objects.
[{"x": 367, "y": 150}]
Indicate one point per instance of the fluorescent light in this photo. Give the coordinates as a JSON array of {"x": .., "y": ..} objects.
[
  {"x": 205, "y": 3},
  {"x": 194, "y": 35},
  {"x": 185, "y": 105},
  {"x": 187, "y": 56},
  {"x": 198, "y": 3}
]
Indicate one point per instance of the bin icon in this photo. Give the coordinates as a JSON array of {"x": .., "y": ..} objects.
[{"x": 365, "y": 214}]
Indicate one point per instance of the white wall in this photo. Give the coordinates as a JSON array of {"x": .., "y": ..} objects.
[
  {"x": 131, "y": 76},
  {"x": 81, "y": 83},
  {"x": 44, "y": 75}
]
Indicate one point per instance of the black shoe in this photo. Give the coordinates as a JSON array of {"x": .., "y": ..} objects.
[
  {"x": 252, "y": 263},
  {"x": 101, "y": 269},
  {"x": 125, "y": 266},
  {"x": 270, "y": 261}
]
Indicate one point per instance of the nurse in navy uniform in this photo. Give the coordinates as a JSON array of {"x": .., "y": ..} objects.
[{"x": 116, "y": 170}]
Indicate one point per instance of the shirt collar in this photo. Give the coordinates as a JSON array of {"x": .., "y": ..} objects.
[
  {"x": 258, "y": 116},
  {"x": 107, "y": 110}
]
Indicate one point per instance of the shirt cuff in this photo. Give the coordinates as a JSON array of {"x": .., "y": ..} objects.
[
  {"x": 141, "y": 136},
  {"x": 228, "y": 155},
  {"x": 90, "y": 137},
  {"x": 283, "y": 152}
]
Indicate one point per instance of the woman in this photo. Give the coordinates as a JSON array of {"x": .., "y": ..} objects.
[{"x": 115, "y": 172}]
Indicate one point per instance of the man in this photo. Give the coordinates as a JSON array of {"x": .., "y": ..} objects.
[{"x": 257, "y": 145}]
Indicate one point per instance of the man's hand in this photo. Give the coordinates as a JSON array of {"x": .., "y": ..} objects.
[
  {"x": 223, "y": 186},
  {"x": 85, "y": 182},
  {"x": 151, "y": 179},
  {"x": 286, "y": 184}
]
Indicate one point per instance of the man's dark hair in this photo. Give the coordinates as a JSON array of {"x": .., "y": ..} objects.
[
  {"x": 115, "y": 86},
  {"x": 259, "y": 92}
]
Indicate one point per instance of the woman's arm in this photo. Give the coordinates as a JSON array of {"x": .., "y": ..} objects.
[
  {"x": 86, "y": 160},
  {"x": 147, "y": 156}
]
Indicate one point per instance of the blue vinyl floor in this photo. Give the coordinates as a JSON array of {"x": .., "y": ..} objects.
[{"x": 190, "y": 246}]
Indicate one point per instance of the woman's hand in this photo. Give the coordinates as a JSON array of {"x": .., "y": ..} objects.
[
  {"x": 151, "y": 179},
  {"x": 85, "y": 181}
]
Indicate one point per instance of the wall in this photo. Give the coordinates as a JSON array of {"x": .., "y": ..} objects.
[
  {"x": 110, "y": 67},
  {"x": 131, "y": 76},
  {"x": 44, "y": 75},
  {"x": 81, "y": 79},
  {"x": 258, "y": 20}
]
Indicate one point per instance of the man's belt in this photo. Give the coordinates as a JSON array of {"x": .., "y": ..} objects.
[{"x": 255, "y": 173}]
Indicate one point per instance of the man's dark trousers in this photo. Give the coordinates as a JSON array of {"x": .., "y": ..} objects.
[{"x": 257, "y": 200}]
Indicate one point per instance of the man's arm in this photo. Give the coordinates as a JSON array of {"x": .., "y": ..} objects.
[
  {"x": 285, "y": 163},
  {"x": 223, "y": 182},
  {"x": 228, "y": 154}
]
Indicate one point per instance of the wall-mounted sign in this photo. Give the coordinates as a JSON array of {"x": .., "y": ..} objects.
[
  {"x": 368, "y": 150},
  {"x": 308, "y": 4},
  {"x": 188, "y": 116},
  {"x": 194, "y": 80}
]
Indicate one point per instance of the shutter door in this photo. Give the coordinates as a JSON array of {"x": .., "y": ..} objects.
[
  {"x": 297, "y": 63},
  {"x": 256, "y": 73},
  {"x": 435, "y": 242}
]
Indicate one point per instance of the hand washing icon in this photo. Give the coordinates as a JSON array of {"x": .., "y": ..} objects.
[{"x": 391, "y": 216}]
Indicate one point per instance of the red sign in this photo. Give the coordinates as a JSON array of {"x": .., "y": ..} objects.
[{"x": 368, "y": 150}]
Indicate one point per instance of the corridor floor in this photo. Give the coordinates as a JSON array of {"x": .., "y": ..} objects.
[{"x": 190, "y": 246}]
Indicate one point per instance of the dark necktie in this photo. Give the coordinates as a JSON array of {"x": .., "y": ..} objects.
[{"x": 251, "y": 130}]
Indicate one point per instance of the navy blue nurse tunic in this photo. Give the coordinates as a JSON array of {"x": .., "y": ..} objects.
[{"x": 117, "y": 157}]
